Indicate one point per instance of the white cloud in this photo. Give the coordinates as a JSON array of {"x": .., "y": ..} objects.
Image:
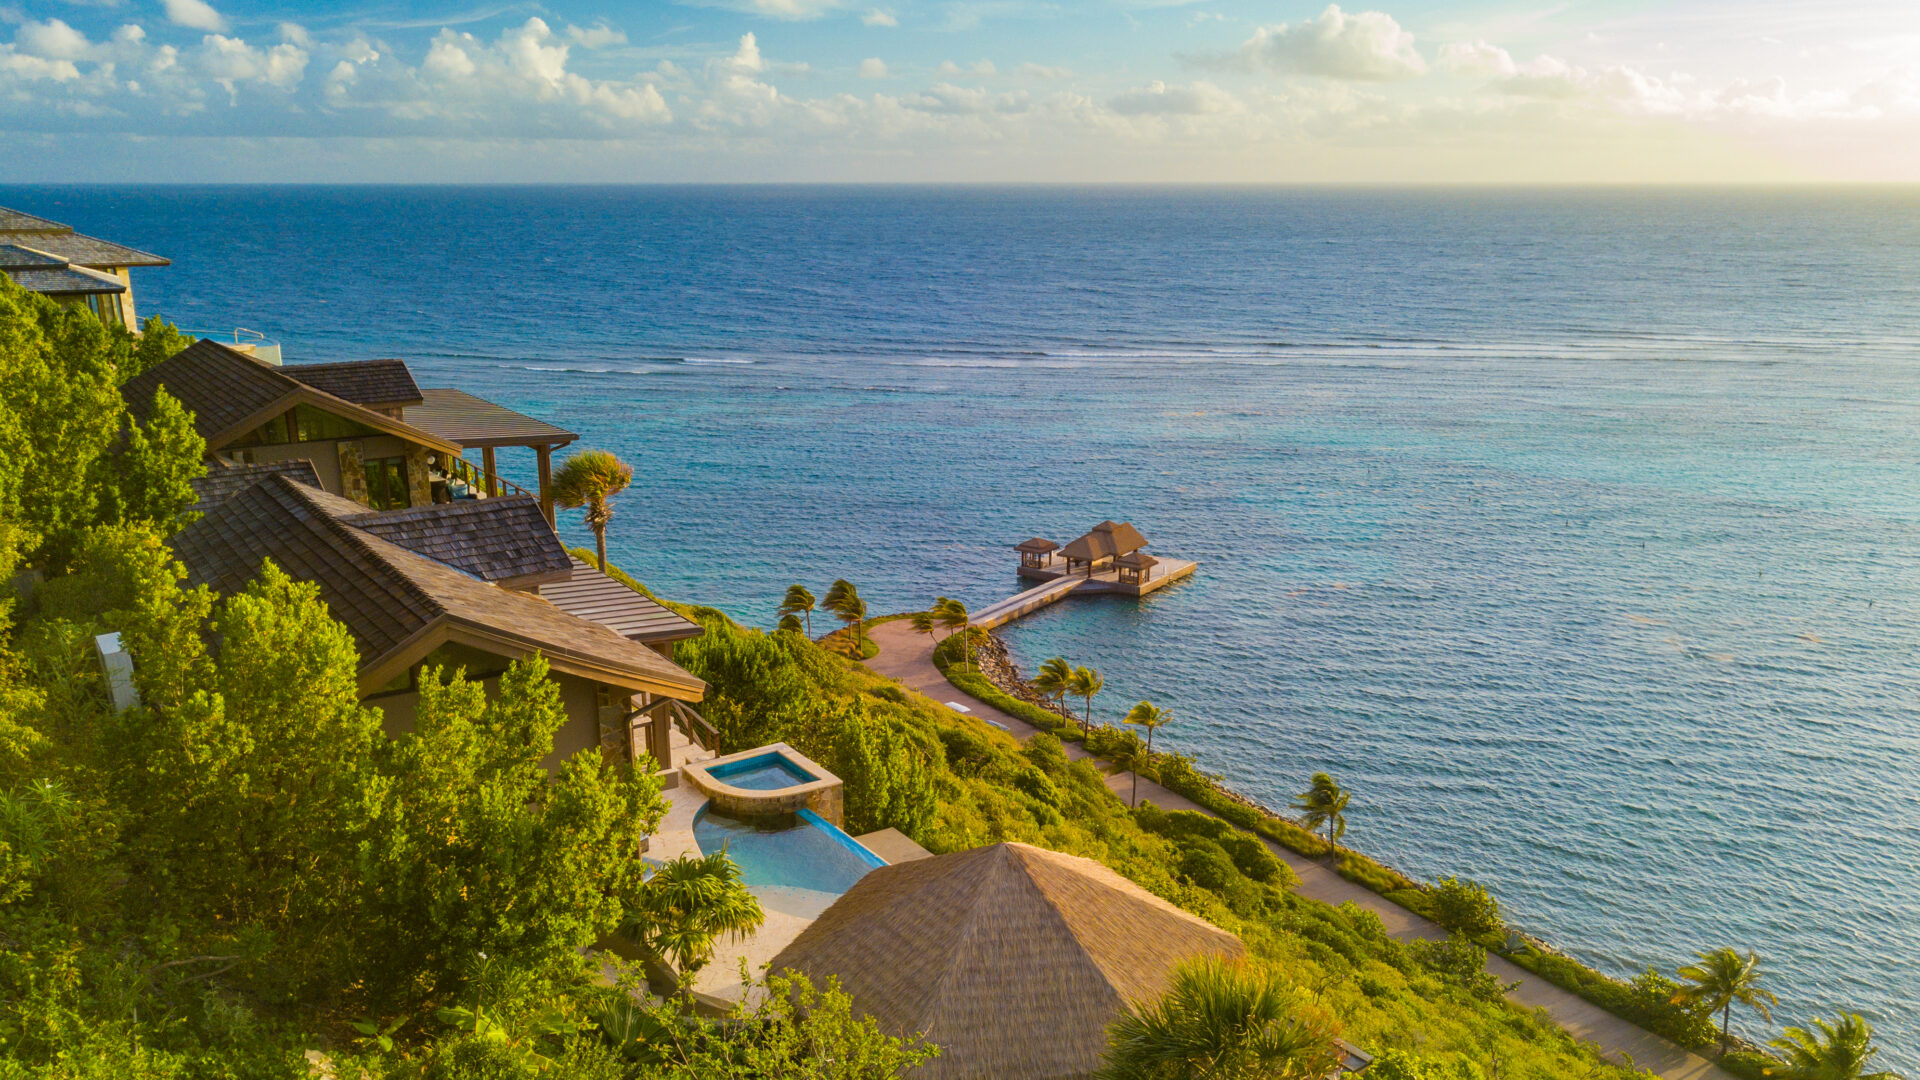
[
  {"x": 1367, "y": 47},
  {"x": 1037, "y": 71},
  {"x": 746, "y": 59},
  {"x": 1157, "y": 97},
  {"x": 34, "y": 68},
  {"x": 230, "y": 61},
  {"x": 195, "y": 15},
  {"x": 873, "y": 68},
  {"x": 295, "y": 34},
  {"x": 531, "y": 53},
  {"x": 52, "y": 40},
  {"x": 446, "y": 59},
  {"x": 597, "y": 36},
  {"x": 879, "y": 17},
  {"x": 977, "y": 69},
  {"x": 1475, "y": 58}
]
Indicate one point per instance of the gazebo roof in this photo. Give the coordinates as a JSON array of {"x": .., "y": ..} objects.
[
  {"x": 1036, "y": 545},
  {"x": 1013, "y": 959},
  {"x": 1107, "y": 539},
  {"x": 1137, "y": 560}
]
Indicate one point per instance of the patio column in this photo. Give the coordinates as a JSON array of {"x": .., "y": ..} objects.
[
  {"x": 546, "y": 478},
  {"x": 486, "y": 462}
]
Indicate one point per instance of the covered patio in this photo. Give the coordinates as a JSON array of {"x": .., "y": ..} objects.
[{"x": 475, "y": 422}]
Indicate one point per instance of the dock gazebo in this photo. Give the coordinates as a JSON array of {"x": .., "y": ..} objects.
[
  {"x": 1036, "y": 552},
  {"x": 1134, "y": 567},
  {"x": 1108, "y": 541}
]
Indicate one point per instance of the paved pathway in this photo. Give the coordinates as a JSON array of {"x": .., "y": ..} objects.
[{"x": 908, "y": 657}]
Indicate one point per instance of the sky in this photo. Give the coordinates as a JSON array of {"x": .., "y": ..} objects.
[{"x": 1158, "y": 91}]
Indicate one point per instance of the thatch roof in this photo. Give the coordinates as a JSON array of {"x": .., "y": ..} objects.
[
  {"x": 1138, "y": 560},
  {"x": 1013, "y": 959},
  {"x": 1107, "y": 539},
  {"x": 1037, "y": 545}
]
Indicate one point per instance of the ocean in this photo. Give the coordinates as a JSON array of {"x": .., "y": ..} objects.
[{"x": 1576, "y": 532}]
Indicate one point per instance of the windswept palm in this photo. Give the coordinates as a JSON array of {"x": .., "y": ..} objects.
[
  {"x": 1085, "y": 683},
  {"x": 1151, "y": 717},
  {"x": 1324, "y": 806},
  {"x": 1838, "y": 1051},
  {"x": 1054, "y": 678},
  {"x": 1219, "y": 1022},
  {"x": 924, "y": 623},
  {"x": 953, "y": 615},
  {"x": 591, "y": 478},
  {"x": 843, "y": 599},
  {"x": 799, "y": 601},
  {"x": 1721, "y": 978}
]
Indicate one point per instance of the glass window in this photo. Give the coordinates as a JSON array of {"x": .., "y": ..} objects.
[
  {"x": 315, "y": 425},
  {"x": 387, "y": 483}
]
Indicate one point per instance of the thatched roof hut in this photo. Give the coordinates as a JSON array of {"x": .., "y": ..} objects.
[
  {"x": 1013, "y": 959},
  {"x": 1107, "y": 540},
  {"x": 1038, "y": 545}
]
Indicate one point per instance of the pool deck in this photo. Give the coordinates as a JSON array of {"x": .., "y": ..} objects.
[{"x": 788, "y": 910}]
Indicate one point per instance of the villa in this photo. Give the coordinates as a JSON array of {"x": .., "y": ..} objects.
[
  {"x": 368, "y": 432},
  {"x": 458, "y": 585},
  {"x": 74, "y": 269}
]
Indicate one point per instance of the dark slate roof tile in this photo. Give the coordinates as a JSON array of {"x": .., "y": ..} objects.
[
  {"x": 222, "y": 482},
  {"x": 503, "y": 540},
  {"x": 363, "y": 382}
]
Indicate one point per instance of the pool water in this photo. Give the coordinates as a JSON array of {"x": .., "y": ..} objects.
[
  {"x": 768, "y": 772},
  {"x": 796, "y": 851}
]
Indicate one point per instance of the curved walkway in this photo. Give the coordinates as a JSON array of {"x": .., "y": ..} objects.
[{"x": 908, "y": 657}]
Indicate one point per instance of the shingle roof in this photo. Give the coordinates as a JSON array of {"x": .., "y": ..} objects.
[
  {"x": 472, "y": 421},
  {"x": 385, "y": 594},
  {"x": 222, "y": 482},
  {"x": 15, "y": 221},
  {"x": 63, "y": 280},
  {"x": 593, "y": 595},
  {"x": 363, "y": 382},
  {"x": 15, "y": 257},
  {"x": 1012, "y": 959},
  {"x": 505, "y": 540},
  {"x": 1107, "y": 539},
  {"x": 222, "y": 388}
]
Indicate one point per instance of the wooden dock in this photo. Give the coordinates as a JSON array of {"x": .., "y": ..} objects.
[{"x": 1055, "y": 583}]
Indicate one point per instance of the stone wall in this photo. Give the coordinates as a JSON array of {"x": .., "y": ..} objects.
[{"x": 353, "y": 475}]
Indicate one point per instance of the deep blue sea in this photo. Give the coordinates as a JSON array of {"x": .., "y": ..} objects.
[{"x": 1578, "y": 533}]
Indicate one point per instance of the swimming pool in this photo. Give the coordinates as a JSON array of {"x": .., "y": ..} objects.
[
  {"x": 766, "y": 772},
  {"x": 796, "y": 851}
]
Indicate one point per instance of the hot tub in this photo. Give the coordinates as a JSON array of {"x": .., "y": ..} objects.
[{"x": 769, "y": 781}]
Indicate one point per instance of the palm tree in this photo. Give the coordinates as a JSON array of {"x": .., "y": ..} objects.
[
  {"x": 1839, "y": 1052},
  {"x": 952, "y": 614},
  {"x": 1054, "y": 678},
  {"x": 843, "y": 599},
  {"x": 1721, "y": 978},
  {"x": 1086, "y": 682},
  {"x": 798, "y": 601},
  {"x": 1221, "y": 1022},
  {"x": 688, "y": 905},
  {"x": 1130, "y": 756},
  {"x": 1150, "y": 716},
  {"x": 792, "y": 622},
  {"x": 1324, "y": 803},
  {"x": 924, "y": 623},
  {"x": 591, "y": 478}
]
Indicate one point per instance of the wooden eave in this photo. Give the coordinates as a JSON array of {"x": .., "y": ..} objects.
[{"x": 320, "y": 399}]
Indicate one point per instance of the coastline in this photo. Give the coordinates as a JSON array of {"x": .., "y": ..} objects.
[{"x": 1525, "y": 951}]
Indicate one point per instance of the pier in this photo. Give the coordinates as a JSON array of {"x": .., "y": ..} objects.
[{"x": 1108, "y": 559}]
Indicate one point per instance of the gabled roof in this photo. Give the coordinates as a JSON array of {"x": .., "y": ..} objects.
[
  {"x": 1109, "y": 538},
  {"x": 593, "y": 595},
  {"x": 399, "y": 605},
  {"x": 1012, "y": 959},
  {"x": 1037, "y": 545},
  {"x": 363, "y": 382},
  {"x": 61, "y": 240},
  {"x": 230, "y": 394},
  {"x": 223, "y": 482},
  {"x": 506, "y": 540}
]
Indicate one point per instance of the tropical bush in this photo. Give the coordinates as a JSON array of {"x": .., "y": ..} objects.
[{"x": 1464, "y": 906}]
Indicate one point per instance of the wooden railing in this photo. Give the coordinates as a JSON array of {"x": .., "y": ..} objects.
[
  {"x": 479, "y": 479},
  {"x": 694, "y": 726}
]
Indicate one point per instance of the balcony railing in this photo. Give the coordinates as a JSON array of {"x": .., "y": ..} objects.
[
  {"x": 240, "y": 339},
  {"x": 465, "y": 480}
]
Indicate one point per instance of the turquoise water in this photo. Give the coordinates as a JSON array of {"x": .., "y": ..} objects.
[
  {"x": 1577, "y": 532},
  {"x": 796, "y": 851},
  {"x": 768, "y": 772}
]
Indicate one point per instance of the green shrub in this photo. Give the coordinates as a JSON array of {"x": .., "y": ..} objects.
[
  {"x": 1046, "y": 753},
  {"x": 1465, "y": 907},
  {"x": 968, "y": 752},
  {"x": 1401, "y": 1065},
  {"x": 1462, "y": 964}
]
